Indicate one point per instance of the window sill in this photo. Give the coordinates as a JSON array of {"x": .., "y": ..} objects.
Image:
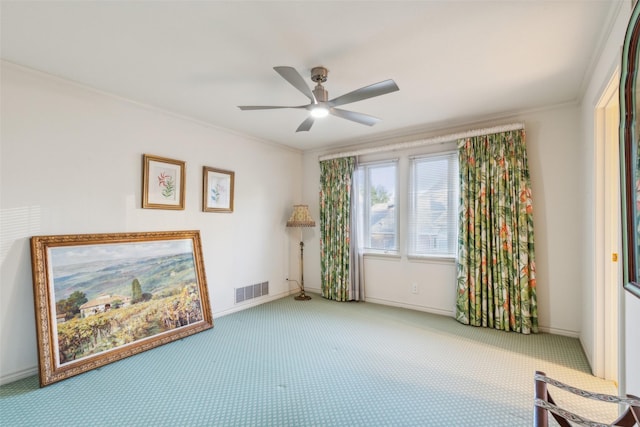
[
  {"x": 432, "y": 259},
  {"x": 382, "y": 254}
]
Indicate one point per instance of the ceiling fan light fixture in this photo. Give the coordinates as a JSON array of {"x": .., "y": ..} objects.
[{"x": 319, "y": 112}]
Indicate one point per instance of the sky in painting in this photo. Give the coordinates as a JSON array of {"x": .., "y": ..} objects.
[{"x": 69, "y": 255}]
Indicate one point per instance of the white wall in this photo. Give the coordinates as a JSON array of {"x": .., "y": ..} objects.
[
  {"x": 71, "y": 163},
  {"x": 552, "y": 141},
  {"x": 632, "y": 340}
]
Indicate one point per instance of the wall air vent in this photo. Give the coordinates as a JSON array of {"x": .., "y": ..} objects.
[{"x": 252, "y": 291}]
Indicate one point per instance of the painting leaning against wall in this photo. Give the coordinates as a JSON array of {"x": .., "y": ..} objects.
[{"x": 103, "y": 297}]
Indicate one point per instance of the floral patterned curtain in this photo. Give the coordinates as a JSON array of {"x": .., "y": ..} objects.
[
  {"x": 496, "y": 281},
  {"x": 335, "y": 205}
]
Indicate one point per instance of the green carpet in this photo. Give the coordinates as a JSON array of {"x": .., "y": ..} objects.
[{"x": 315, "y": 363}]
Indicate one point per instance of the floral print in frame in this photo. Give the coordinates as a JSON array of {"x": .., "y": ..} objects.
[
  {"x": 163, "y": 183},
  {"x": 217, "y": 190}
]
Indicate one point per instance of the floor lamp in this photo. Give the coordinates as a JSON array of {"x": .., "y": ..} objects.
[{"x": 300, "y": 218}]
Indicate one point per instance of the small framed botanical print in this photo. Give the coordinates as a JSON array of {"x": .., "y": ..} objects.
[
  {"x": 217, "y": 194},
  {"x": 162, "y": 183}
]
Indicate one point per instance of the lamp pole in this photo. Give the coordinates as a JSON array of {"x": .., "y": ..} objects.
[{"x": 302, "y": 296}]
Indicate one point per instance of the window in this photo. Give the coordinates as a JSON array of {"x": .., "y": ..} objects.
[
  {"x": 433, "y": 205},
  {"x": 378, "y": 216}
]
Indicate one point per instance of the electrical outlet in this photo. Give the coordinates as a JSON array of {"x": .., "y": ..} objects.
[{"x": 414, "y": 288}]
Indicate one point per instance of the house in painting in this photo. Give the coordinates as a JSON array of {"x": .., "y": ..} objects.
[{"x": 103, "y": 303}]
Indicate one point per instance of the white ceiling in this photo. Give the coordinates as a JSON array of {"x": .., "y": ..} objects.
[{"x": 454, "y": 61}]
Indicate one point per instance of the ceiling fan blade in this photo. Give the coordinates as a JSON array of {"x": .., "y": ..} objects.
[
  {"x": 306, "y": 125},
  {"x": 355, "y": 117},
  {"x": 291, "y": 75},
  {"x": 376, "y": 89},
  {"x": 262, "y": 107}
]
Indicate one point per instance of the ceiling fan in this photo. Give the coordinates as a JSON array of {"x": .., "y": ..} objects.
[{"x": 320, "y": 106}]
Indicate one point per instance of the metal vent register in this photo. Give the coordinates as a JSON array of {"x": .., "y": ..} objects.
[{"x": 252, "y": 291}]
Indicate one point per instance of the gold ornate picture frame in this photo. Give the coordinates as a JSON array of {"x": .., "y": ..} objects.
[
  {"x": 217, "y": 190},
  {"x": 163, "y": 183},
  {"x": 102, "y": 297}
]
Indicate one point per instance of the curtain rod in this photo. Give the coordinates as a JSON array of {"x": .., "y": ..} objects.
[{"x": 428, "y": 141}]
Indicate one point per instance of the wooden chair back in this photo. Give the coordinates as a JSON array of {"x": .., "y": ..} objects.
[{"x": 545, "y": 405}]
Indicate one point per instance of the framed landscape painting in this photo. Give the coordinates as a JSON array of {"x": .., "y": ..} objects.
[
  {"x": 102, "y": 297},
  {"x": 162, "y": 183},
  {"x": 217, "y": 194}
]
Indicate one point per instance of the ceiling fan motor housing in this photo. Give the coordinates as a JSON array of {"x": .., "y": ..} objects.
[
  {"x": 320, "y": 93},
  {"x": 319, "y": 75}
]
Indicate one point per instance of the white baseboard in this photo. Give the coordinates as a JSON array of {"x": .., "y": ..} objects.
[
  {"x": 451, "y": 313},
  {"x": 557, "y": 331},
  {"x": 252, "y": 303},
  {"x": 594, "y": 372},
  {"x": 312, "y": 290},
  {"x": 426, "y": 309},
  {"x": 16, "y": 376}
]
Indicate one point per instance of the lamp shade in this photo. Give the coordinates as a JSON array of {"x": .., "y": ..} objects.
[{"x": 300, "y": 217}]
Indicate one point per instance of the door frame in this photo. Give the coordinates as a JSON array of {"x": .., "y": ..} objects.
[{"x": 608, "y": 240}]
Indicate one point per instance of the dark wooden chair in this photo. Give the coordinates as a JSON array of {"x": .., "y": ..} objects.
[{"x": 545, "y": 405}]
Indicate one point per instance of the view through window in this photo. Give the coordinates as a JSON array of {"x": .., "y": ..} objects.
[
  {"x": 377, "y": 205},
  {"x": 433, "y": 205},
  {"x": 431, "y": 213}
]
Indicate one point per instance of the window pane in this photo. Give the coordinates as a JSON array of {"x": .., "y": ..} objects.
[
  {"x": 433, "y": 211},
  {"x": 382, "y": 219},
  {"x": 377, "y": 199}
]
